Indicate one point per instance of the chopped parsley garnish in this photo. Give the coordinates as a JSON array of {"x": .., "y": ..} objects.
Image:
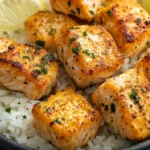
[
  {"x": 138, "y": 21},
  {"x": 148, "y": 44},
  {"x": 109, "y": 12},
  {"x": 44, "y": 70},
  {"x": 93, "y": 55},
  {"x": 26, "y": 57},
  {"x": 28, "y": 50},
  {"x": 78, "y": 10},
  {"x": 60, "y": 65},
  {"x": 69, "y": 3},
  {"x": 48, "y": 109},
  {"x": 143, "y": 90},
  {"x": 43, "y": 64},
  {"x": 8, "y": 110},
  {"x": 86, "y": 52},
  {"x": 71, "y": 28},
  {"x": 57, "y": 121},
  {"x": 113, "y": 108},
  {"x": 52, "y": 31},
  {"x": 40, "y": 43},
  {"x": 133, "y": 95},
  {"x": 92, "y": 12},
  {"x": 84, "y": 33},
  {"x": 36, "y": 72},
  {"x": 24, "y": 117},
  {"x": 75, "y": 50},
  {"x": 48, "y": 57},
  {"x": 74, "y": 38},
  {"x": 5, "y": 33},
  {"x": 147, "y": 69}
]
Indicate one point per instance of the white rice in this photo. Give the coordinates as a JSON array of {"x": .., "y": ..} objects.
[{"x": 18, "y": 125}]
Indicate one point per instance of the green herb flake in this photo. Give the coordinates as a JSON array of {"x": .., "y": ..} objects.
[
  {"x": 148, "y": 44},
  {"x": 47, "y": 110},
  {"x": 43, "y": 64},
  {"x": 57, "y": 121},
  {"x": 40, "y": 43},
  {"x": 26, "y": 57},
  {"x": 92, "y": 12},
  {"x": 132, "y": 148},
  {"x": 48, "y": 57},
  {"x": 24, "y": 117},
  {"x": 75, "y": 50},
  {"x": 133, "y": 95},
  {"x": 143, "y": 90},
  {"x": 78, "y": 10},
  {"x": 52, "y": 31},
  {"x": 12, "y": 138},
  {"x": 8, "y": 110},
  {"x": 39, "y": 105},
  {"x": 86, "y": 52},
  {"x": 109, "y": 12},
  {"x": 73, "y": 38},
  {"x": 69, "y": 3},
  {"x": 44, "y": 70},
  {"x": 60, "y": 65},
  {"x": 28, "y": 50},
  {"x": 36, "y": 72},
  {"x": 5, "y": 33},
  {"x": 93, "y": 55},
  {"x": 84, "y": 33},
  {"x": 113, "y": 108},
  {"x": 46, "y": 99}
]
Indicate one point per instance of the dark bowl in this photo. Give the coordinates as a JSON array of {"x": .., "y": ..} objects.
[{"x": 7, "y": 144}]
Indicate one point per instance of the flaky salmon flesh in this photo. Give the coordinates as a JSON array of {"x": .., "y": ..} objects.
[
  {"x": 66, "y": 119},
  {"x": 124, "y": 104},
  {"x": 128, "y": 23},
  {"x": 89, "y": 54},
  {"x": 27, "y": 68}
]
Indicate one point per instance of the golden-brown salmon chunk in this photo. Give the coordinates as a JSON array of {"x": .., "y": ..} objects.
[
  {"x": 66, "y": 119},
  {"x": 124, "y": 104},
  {"x": 28, "y": 69},
  {"x": 42, "y": 26},
  {"x": 89, "y": 54},
  {"x": 83, "y": 9},
  {"x": 128, "y": 23}
]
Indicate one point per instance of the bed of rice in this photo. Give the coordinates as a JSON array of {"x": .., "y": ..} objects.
[{"x": 16, "y": 121}]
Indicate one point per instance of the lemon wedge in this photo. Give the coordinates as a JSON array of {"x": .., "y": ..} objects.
[{"x": 13, "y": 13}]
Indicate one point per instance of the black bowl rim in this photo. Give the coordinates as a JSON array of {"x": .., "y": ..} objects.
[{"x": 8, "y": 144}]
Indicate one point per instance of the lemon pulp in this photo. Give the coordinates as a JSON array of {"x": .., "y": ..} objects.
[{"x": 13, "y": 13}]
